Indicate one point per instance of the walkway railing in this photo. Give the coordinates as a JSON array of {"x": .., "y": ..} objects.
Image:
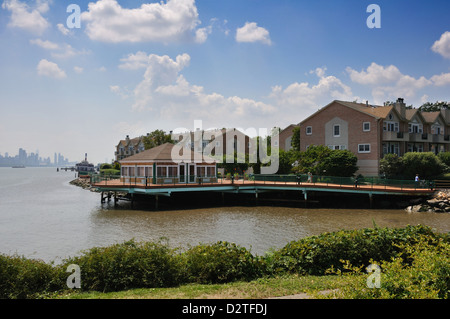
[{"x": 304, "y": 180}]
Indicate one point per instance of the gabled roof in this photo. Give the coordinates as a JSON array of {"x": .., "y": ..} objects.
[
  {"x": 164, "y": 153},
  {"x": 431, "y": 117},
  {"x": 376, "y": 111}
]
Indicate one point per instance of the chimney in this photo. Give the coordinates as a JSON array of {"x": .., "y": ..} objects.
[{"x": 400, "y": 106}]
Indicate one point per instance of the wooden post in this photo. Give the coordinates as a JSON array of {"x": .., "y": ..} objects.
[{"x": 156, "y": 202}]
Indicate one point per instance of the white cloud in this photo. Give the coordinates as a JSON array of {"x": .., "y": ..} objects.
[
  {"x": 26, "y": 18},
  {"x": 172, "y": 21},
  {"x": 306, "y": 97},
  {"x": 48, "y": 45},
  {"x": 134, "y": 61},
  {"x": 201, "y": 35},
  {"x": 442, "y": 46},
  {"x": 78, "y": 69},
  {"x": 168, "y": 95},
  {"x": 50, "y": 69},
  {"x": 59, "y": 51},
  {"x": 250, "y": 32},
  {"x": 388, "y": 82},
  {"x": 441, "y": 80},
  {"x": 62, "y": 29}
]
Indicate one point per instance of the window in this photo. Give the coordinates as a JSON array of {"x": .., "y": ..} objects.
[
  {"x": 308, "y": 130},
  {"x": 415, "y": 128},
  {"x": 366, "y": 126},
  {"x": 337, "y": 147},
  {"x": 390, "y": 126},
  {"x": 391, "y": 148},
  {"x": 363, "y": 148},
  {"x": 336, "y": 130}
]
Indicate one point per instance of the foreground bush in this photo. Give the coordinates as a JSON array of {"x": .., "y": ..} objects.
[
  {"x": 314, "y": 255},
  {"x": 421, "y": 271},
  {"x": 221, "y": 262},
  {"x": 128, "y": 265},
  {"x": 24, "y": 278}
]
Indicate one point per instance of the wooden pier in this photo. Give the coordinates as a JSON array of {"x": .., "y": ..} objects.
[{"x": 111, "y": 188}]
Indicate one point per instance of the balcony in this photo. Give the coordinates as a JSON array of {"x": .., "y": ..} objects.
[
  {"x": 395, "y": 136},
  {"x": 419, "y": 137},
  {"x": 439, "y": 138}
]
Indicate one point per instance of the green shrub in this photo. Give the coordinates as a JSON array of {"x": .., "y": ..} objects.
[
  {"x": 221, "y": 262},
  {"x": 314, "y": 255},
  {"x": 128, "y": 265},
  {"x": 25, "y": 278},
  {"x": 424, "y": 275}
]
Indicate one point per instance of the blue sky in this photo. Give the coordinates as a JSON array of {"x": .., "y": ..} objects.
[{"x": 137, "y": 66}]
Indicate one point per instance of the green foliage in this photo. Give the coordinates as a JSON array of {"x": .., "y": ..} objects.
[
  {"x": 340, "y": 163},
  {"x": 128, "y": 265},
  {"x": 106, "y": 166},
  {"x": 419, "y": 271},
  {"x": 445, "y": 158},
  {"x": 295, "y": 142},
  {"x": 314, "y": 255},
  {"x": 426, "y": 164},
  {"x": 25, "y": 278},
  {"x": 156, "y": 138},
  {"x": 221, "y": 262},
  {"x": 434, "y": 107},
  {"x": 415, "y": 263},
  {"x": 391, "y": 165},
  {"x": 321, "y": 160}
]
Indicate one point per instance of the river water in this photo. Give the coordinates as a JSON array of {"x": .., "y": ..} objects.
[{"x": 42, "y": 216}]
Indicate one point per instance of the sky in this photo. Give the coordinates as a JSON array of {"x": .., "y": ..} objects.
[{"x": 77, "y": 82}]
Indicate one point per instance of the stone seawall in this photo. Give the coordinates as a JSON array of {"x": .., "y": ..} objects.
[
  {"x": 440, "y": 203},
  {"x": 84, "y": 183}
]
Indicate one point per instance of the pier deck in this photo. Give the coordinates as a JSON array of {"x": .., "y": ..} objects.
[{"x": 260, "y": 186}]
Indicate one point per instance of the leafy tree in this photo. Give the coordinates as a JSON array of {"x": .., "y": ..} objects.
[
  {"x": 434, "y": 107},
  {"x": 311, "y": 159},
  {"x": 391, "y": 165},
  {"x": 156, "y": 138},
  {"x": 295, "y": 142},
  {"x": 340, "y": 163},
  {"x": 426, "y": 164}
]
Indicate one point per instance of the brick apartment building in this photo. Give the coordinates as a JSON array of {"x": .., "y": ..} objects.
[
  {"x": 371, "y": 131},
  {"x": 217, "y": 142}
]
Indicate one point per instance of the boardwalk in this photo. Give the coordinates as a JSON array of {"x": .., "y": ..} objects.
[{"x": 259, "y": 186}]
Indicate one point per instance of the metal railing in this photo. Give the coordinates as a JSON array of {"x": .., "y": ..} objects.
[{"x": 304, "y": 180}]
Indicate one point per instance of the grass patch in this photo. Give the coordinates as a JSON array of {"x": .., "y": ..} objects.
[{"x": 257, "y": 289}]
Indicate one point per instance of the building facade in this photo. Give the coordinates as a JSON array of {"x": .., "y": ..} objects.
[
  {"x": 371, "y": 131},
  {"x": 168, "y": 164}
]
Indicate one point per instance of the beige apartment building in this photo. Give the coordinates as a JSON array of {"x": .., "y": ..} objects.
[{"x": 371, "y": 131}]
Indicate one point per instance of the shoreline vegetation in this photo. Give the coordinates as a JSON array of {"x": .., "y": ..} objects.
[{"x": 414, "y": 261}]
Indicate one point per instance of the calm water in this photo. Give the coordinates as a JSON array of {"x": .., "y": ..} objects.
[{"x": 42, "y": 216}]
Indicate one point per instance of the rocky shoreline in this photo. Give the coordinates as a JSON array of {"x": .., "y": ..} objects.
[
  {"x": 84, "y": 183},
  {"x": 440, "y": 203}
]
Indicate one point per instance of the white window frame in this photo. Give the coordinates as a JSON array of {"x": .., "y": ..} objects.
[
  {"x": 363, "y": 151},
  {"x": 309, "y": 130},
  {"x": 364, "y": 127}
]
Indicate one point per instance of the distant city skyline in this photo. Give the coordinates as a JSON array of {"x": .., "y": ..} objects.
[
  {"x": 33, "y": 159},
  {"x": 131, "y": 67}
]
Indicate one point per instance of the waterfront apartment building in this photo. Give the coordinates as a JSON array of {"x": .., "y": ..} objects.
[
  {"x": 371, "y": 131},
  {"x": 129, "y": 147}
]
